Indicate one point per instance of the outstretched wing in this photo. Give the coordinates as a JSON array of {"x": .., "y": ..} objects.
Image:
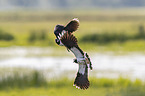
[
  {"x": 70, "y": 41},
  {"x": 81, "y": 80},
  {"x": 72, "y": 25}
]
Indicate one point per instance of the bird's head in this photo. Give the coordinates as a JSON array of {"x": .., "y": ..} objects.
[
  {"x": 70, "y": 27},
  {"x": 58, "y": 29}
]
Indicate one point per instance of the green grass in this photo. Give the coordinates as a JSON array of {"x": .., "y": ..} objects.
[
  {"x": 67, "y": 91},
  {"x": 32, "y": 83},
  {"x": 22, "y": 29},
  {"x": 53, "y": 92}
]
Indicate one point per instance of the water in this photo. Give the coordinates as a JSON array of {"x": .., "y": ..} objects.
[{"x": 104, "y": 65}]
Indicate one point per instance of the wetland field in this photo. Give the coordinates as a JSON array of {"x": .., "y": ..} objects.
[{"x": 31, "y": 64}]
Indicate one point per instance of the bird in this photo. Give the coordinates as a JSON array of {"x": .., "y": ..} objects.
[
  {"x": 70, "y": 27},
  {"x": 68, "y": 40}
]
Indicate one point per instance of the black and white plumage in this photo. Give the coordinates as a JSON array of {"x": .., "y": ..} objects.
[
  {"x": 82, "y": 58},
  {"x": 70, "y": 27},
  {"x": 70, "y": 42}
]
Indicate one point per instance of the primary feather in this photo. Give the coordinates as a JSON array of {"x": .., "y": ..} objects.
[{"x": 72, "y": 25}]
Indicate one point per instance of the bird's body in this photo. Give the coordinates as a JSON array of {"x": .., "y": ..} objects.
[{"x": 82, "y": 59}]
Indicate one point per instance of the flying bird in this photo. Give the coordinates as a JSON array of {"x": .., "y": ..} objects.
[
  {"x": 71, "y": 27},
  {"x": 65, "y": 37}
]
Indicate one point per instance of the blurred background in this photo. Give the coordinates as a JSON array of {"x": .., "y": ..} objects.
[{"x": 111, "y": 32}]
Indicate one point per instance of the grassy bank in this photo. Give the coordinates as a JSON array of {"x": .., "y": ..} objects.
[
  {"x": 67, "y": 91},
  {"x": 119, "y": 30},
  {"x": 35, "y": 84}
]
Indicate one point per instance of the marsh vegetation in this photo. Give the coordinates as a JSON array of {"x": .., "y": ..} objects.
[
  {"x": 117, "y": 32},
  {"x": 35, "y": 83}
]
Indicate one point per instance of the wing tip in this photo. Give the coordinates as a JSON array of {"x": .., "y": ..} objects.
[
  {"x": 72, "y": 25},
  {"x": 81, "y": 82},
  {"x": 76, "y": 19}
]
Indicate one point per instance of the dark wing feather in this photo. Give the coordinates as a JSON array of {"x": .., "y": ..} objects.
[
  {"x": 72, "y": 25},
  {"x": 81, "y": 80},
  {"x": 69, "y": 40}
]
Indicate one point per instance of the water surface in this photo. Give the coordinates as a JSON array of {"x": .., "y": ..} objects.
[{"x": 104, "y": 65}]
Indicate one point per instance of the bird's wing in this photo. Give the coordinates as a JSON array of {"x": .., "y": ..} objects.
[
  {"x": 72, "y": 25},
  {"x": 81, "y": 80},
  {"x": 70, "y": 41}
]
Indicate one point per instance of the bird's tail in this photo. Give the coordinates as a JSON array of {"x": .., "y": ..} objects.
[{"x": 81, "y": 80}]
